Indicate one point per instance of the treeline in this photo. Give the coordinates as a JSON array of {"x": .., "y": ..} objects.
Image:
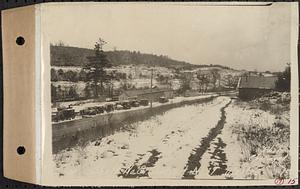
[{"x": 74, "y": 56}]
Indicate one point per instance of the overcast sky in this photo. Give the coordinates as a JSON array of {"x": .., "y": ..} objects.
[{"x": 241, "y": 37}]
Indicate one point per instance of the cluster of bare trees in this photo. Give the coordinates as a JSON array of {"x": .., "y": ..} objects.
[
  {"x": 59, "y": 93},
  {"x": 70, "y": 75}
]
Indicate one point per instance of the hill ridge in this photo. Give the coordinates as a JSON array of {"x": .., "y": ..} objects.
[{"x": 76, "y": 56}]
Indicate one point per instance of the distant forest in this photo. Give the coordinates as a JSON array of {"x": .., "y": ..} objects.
[{"x": 75, "y": 56}]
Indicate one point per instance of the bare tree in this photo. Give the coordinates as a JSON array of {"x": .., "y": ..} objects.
[
  {"x": 215, "y": 77},
  {"x": 203, "y": 82}
]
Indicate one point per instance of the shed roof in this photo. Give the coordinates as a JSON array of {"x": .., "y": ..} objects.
[{"x": 257, "y": 82}]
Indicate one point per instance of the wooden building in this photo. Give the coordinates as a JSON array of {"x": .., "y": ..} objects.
[{"x": 251, "y": 87}]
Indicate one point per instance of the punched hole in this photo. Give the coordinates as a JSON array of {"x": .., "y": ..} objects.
[
  {"x": 20, "y": 40},
  {"x": 21, "y": 150}
]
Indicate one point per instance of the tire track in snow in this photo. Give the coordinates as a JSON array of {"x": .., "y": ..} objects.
[
  {"x": 217, "y": 164},
  {"x": 145, "y": 161},
  {"x": 140, "y": 168},
  {"x": 193, "y": 164}
]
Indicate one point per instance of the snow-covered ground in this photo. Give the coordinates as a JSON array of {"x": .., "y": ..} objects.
[
  {"x": 156, "y": 148},
  {"x": 220, "y": 139},
  {"x": 257, "y": 142}
]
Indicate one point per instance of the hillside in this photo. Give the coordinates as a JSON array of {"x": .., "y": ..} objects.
[{"x": 75, "y": 56}]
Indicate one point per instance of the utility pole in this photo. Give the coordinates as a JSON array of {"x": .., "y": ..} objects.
[
  {"x": 112, "y": 89},
  {"x": 151, "y": 87}
]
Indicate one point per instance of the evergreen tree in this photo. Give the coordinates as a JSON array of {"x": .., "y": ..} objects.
[{"x": 95, "y": 68}]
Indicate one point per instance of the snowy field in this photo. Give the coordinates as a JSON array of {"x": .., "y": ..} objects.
[
  {"x": 157, "y": 148},
  {"x": 201, "y": 141}
]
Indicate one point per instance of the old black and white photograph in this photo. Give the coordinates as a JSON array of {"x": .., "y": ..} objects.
[{"x": 175, "y": 91}]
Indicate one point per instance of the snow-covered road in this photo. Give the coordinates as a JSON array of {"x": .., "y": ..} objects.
[{"x": 171, "y": 145}]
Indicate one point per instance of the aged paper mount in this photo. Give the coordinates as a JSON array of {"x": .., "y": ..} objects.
[{"x": 135, "y": 94}]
